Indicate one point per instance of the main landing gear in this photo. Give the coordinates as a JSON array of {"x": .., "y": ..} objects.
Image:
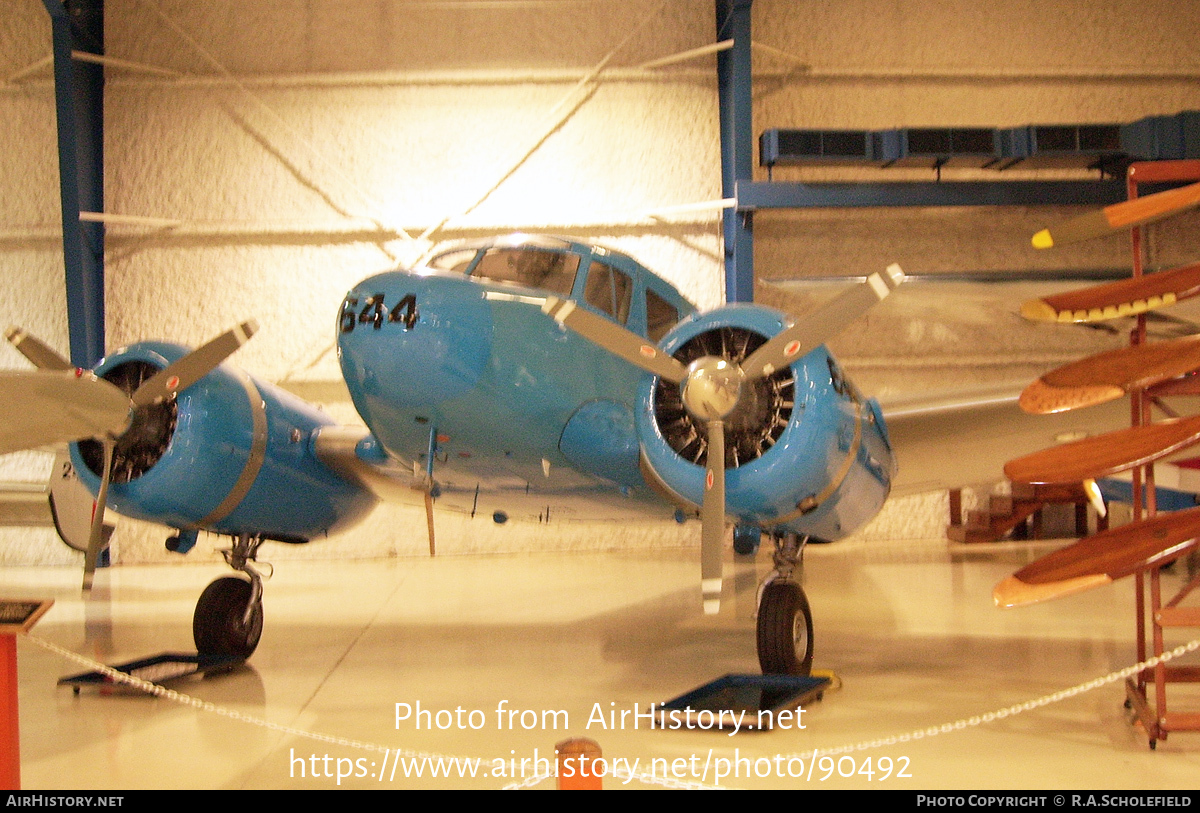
[
  {"x": 785, "y": 628},
  {"x": 229, "y": 615}
]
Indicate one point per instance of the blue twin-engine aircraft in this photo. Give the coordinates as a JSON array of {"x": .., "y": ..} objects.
[{"x": 524, "y": 377}]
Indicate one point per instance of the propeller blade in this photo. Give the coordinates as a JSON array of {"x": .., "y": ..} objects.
[
  {"x": 429, "y": 518},
  {"x": 96, "y": 534},
  {"x": 52, "y": 406},
  {"x": 1119, "y": 216},
  {"x": 1113, "y": 300},
  {"x": 615, "y": 339},
  {"x": 712, "y": 519},
  {"x": 177, "y": 377},
  {"x": 1107, "y": 376},
  {"x": 1095, "y": 497},
  {"x": 35, "y": 350},
  {"x": 1101, "y": 558},
  {"x": 814, "y": 329},
  {"x": 1102, "y": 455}
]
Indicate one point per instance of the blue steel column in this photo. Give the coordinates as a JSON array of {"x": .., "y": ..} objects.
[
  {"x": 737, "y": 144},
  {"x": 78, "y": 25}
]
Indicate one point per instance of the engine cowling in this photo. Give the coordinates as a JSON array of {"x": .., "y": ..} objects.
[
  {"x": 229, "y": 454},
  {"x": 804, "y": 452}
]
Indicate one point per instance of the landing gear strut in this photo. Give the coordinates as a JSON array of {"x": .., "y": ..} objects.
[
  {"x": 785, "y": 629},
  {"x": 229, "y": 615}
]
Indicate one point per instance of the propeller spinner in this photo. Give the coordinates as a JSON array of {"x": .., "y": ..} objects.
[{"x": 713, "y": 387}]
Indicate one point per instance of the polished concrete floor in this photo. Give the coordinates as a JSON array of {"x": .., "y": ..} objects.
[{"x": 909, "y": 631}]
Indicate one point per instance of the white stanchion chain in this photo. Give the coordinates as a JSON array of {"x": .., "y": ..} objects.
[
  {"x": 642, "y": 776},
  {"x": 1009, "y": 711}
]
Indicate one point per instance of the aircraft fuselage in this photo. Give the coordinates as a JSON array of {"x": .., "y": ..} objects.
[{"x": 512, "y": 403}]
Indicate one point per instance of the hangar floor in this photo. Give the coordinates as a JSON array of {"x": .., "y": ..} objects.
[{"x": 910, "y": 632}]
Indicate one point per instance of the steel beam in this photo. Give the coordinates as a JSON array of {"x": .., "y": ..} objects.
[
  {"x": 737, "y": 144},
  {"x": 78, "y": 25},
  {"x": 752, "y": 195}
]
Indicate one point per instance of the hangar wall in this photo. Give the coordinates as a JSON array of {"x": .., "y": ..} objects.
[
  {"x": 297, "y": 141},
  {"x": 931, "y": 64}
]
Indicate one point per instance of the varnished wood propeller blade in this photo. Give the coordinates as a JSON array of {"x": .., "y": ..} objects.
[
  {"x": 1124, "y": 215},
  {"x": 1101, "y": 559},
  {"x": 1106, "y": 376},
  {"x": 1102, "y": 455},
  {"x": 1113, "y": 300}
]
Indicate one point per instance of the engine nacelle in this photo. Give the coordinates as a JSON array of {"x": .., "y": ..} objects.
[
  {"x": 229, "y": 454},
  {"x": 804, "y": 452}
]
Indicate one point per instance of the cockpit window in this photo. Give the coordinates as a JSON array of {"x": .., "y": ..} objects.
[
  {"x": 458, "y": 260},
  {"x": 661, "y": 316},
  {"x": 609, "y": 290},
  {"x": 552, "y": 271}
]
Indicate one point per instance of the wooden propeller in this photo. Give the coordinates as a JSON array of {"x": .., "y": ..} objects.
[
  {"x": 1107, "y": 376},
  {"x": 1109, "y": 555},
  {"x": 1102, "y": 455},
  {"x": 1119, "y": 216},
  {"x": 1102, "y": 558},
  {"x": 1113, "y": 300}
]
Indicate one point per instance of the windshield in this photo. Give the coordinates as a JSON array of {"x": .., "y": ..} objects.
[
  {"x": 552, "y": 271},
  {"x": 457, "y": 260}
]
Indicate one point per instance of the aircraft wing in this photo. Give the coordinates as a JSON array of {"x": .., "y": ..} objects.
[
  {"x": 338, "y": 447},
  {"x": 961, "y": 437},
  {"x": 943, "y": 440},
  {"x": 955, "y": 439},
  {"x": 566, "y": 495},
  {"x": 24, "y": 504}
]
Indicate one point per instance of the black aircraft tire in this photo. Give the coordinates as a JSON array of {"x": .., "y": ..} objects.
[
  {"x": 217, "y": 624},
  {"x": 785, "y": 630}
]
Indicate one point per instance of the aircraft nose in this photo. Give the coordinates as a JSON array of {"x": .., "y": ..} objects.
[{"x": 411, "y": 340}]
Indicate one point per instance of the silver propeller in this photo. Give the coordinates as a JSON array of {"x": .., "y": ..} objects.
[
  {"x": 35, "y": 350},
  {"x": 711, "y": 387},
  {"x": 712, "y": 519},
  {"x": 45, "y": 407},
  {"x": 815, "y": 329},
  {"x": 96, "y": 534},
  {"x": 177, "y": 377},
  {"x": 615, "y": 339},
  {"x": 56, "y": 404}
]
